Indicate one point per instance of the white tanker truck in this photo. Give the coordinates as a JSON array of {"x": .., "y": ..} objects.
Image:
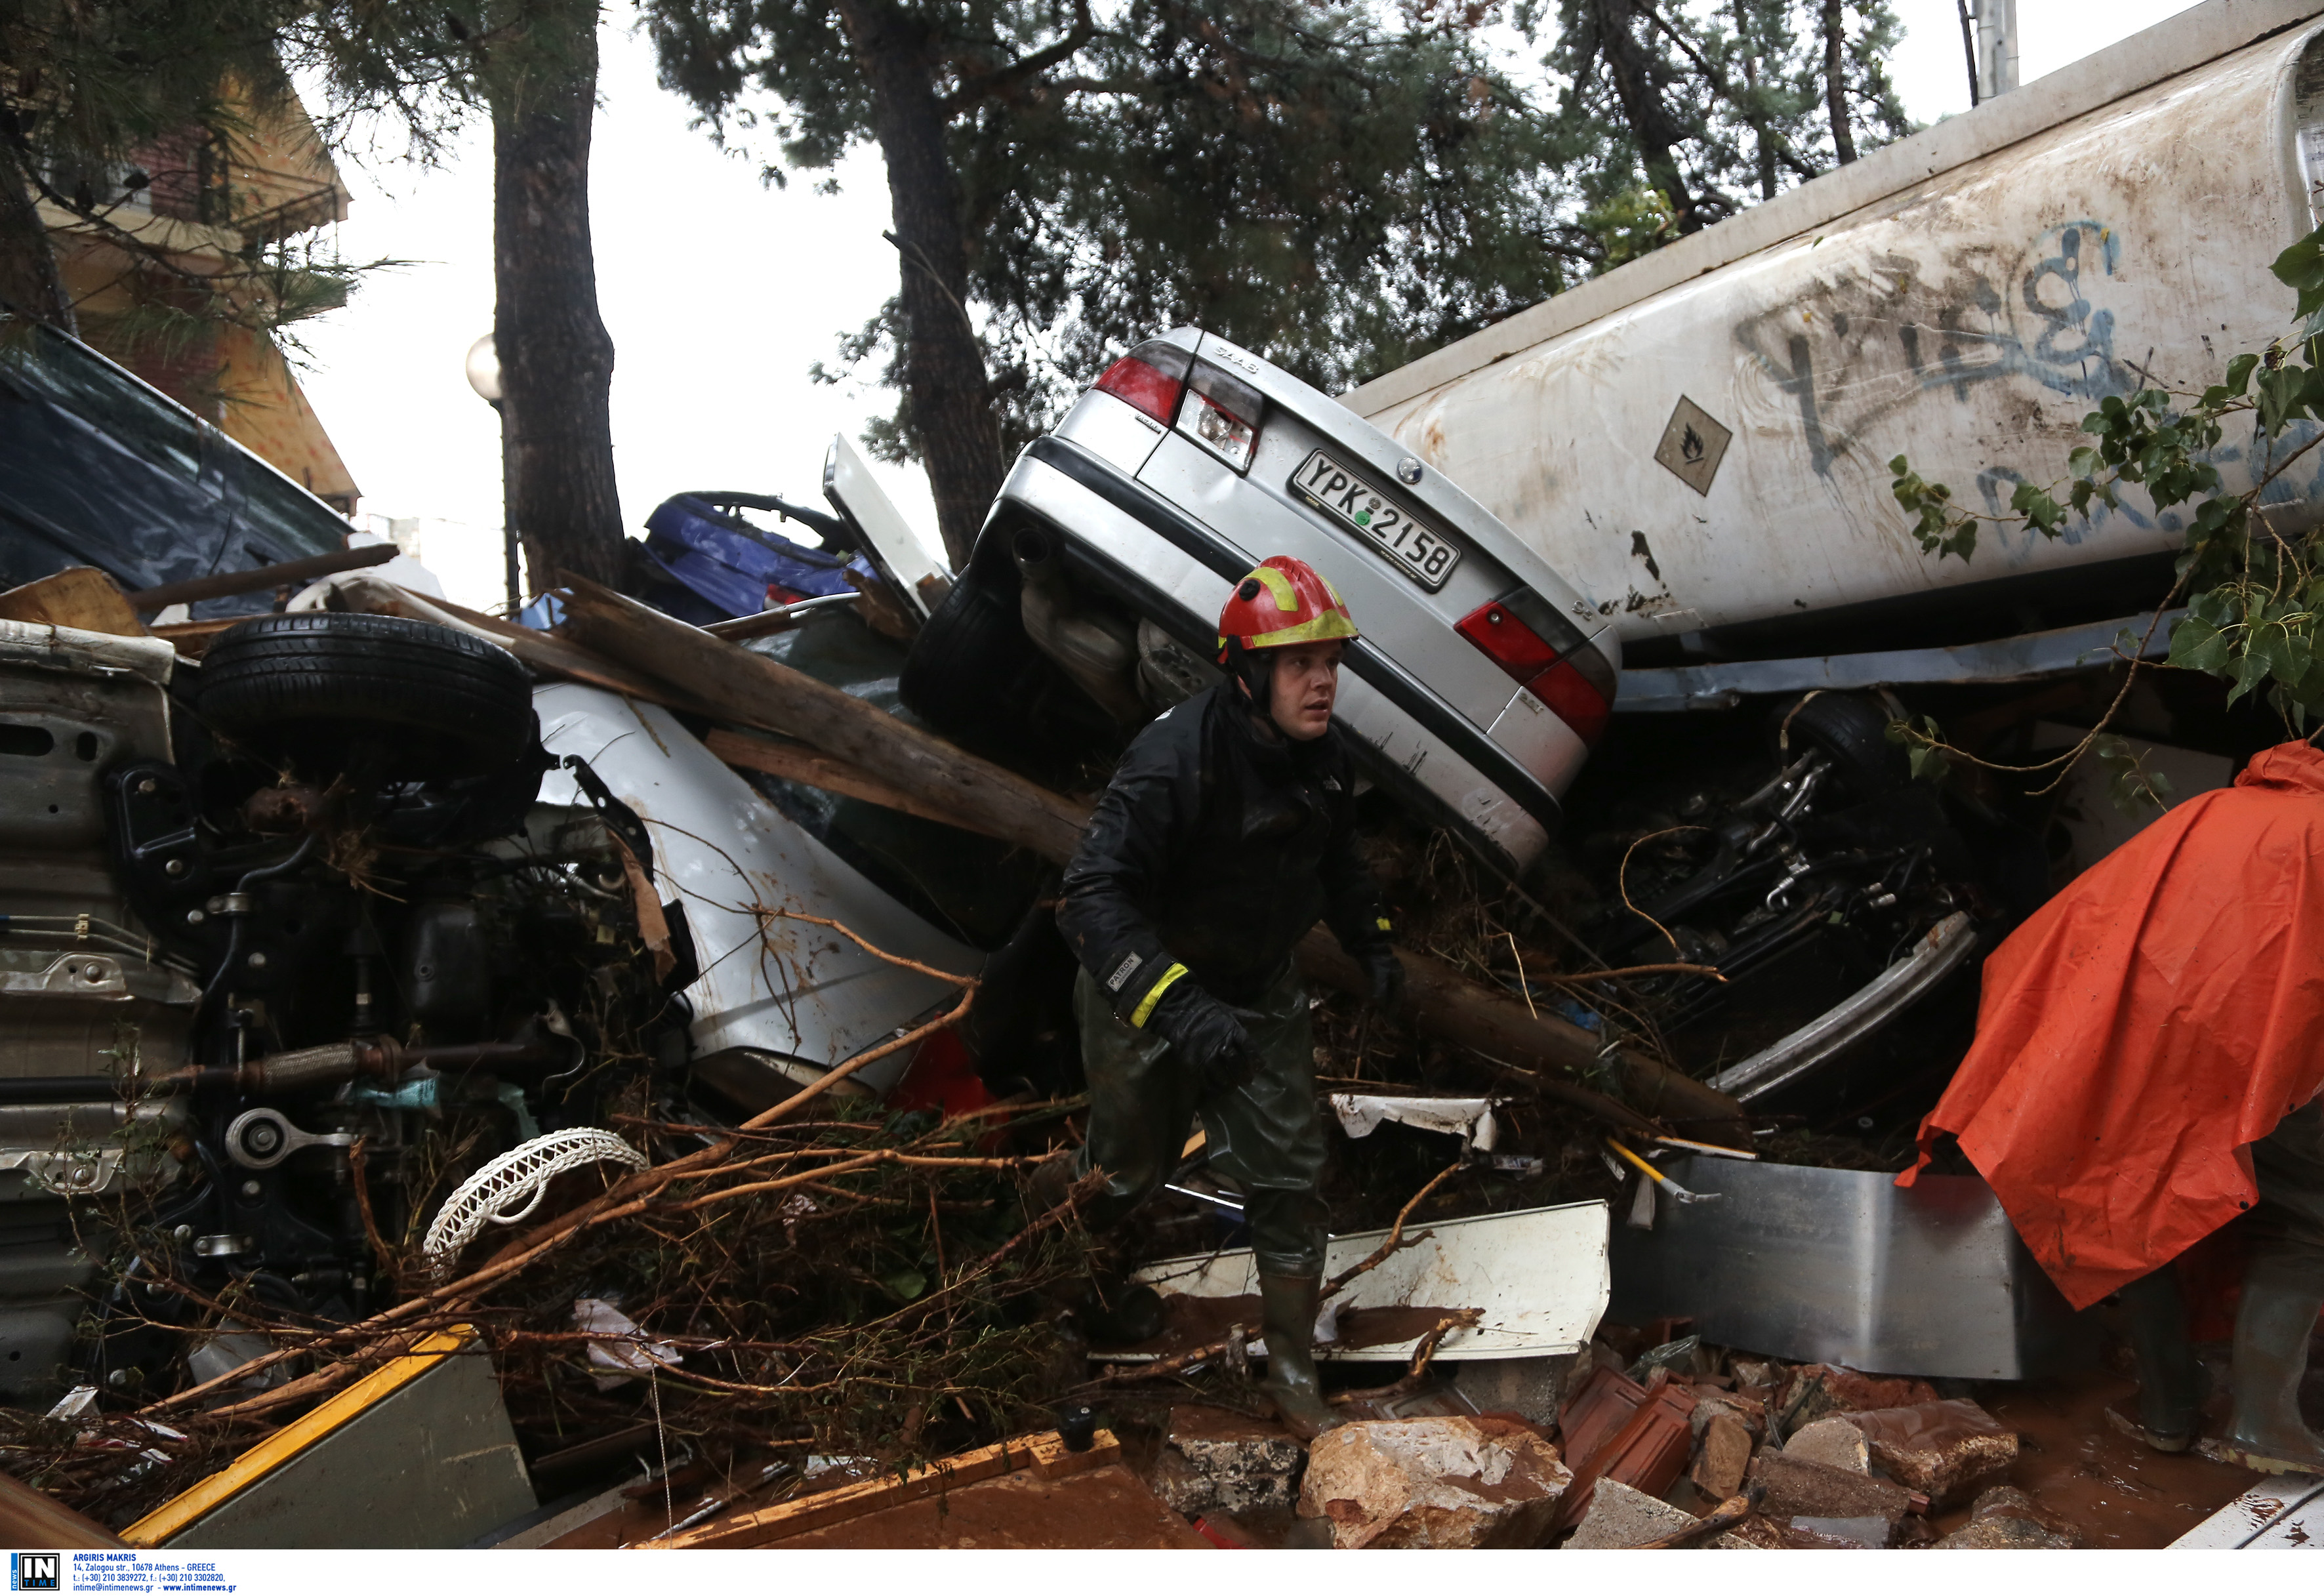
[
  {"x": 1698, "y": 443},
  {"x": 1700, "y": 440}
]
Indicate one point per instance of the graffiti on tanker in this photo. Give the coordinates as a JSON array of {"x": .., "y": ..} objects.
[{"x": 1871, "y": 339}]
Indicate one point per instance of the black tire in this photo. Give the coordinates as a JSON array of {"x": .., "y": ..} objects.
[
  {"x": 1853, "y": 730},
  {"x": 967, "y": 673},
  {"x": 314, "y": 689}
]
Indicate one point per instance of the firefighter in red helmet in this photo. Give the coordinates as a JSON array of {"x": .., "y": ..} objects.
[{"x": 1228, "y": 830}]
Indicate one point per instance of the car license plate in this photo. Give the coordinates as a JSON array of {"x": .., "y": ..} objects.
[{"x": 1424, "y": 556}]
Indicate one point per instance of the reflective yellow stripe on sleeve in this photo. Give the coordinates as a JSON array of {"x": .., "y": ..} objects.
[
  {"x": 1138, "y": 1016},
  {"x": 1383, "y": 924}
]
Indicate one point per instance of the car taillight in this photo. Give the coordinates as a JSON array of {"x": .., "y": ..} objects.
[
  {"x": 1546, "y": 654},
  {"x": 1222, "y": 414},
  {"x": 1149, "y": 378}
]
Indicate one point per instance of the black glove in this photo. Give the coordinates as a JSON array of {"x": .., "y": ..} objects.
[
  {"x": 1384, "y": 979},
  {"x": 1206, "y": 1036}
]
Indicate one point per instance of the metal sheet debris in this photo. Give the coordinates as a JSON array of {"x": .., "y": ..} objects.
[
  {"x": 2280, "y": 1514},
  {"x": 1841, "y": 1266},
  {"x": 418, "y": 1452},
  {"x": 1538, "y": 1277}
]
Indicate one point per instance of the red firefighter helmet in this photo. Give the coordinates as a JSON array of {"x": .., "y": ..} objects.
[{"x": 1282, "y": 602}]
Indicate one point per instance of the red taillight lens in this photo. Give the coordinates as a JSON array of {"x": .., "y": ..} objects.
[
  {"x": 1138, "y": 384},
  {"x": 1543, "y": 651},
  {"x": 1149, "y": 378},
  {"x": 1516, "y": 647},
  {"x": 1577, "y": 703}
]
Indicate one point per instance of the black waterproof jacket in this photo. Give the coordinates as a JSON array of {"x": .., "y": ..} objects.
[{"x": 1211, "y": 852}]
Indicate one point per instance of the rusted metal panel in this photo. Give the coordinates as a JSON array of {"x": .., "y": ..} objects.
[{"x": 1968, "y": 319}]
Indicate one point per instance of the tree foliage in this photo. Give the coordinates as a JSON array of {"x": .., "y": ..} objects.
[
  {"x": 1336, "y": 189},
  {"x": 104, "y": 101},
  {"x": 1341, "y": 187},
  {"x": 1696, "y": 112},
  {"x": 2253, "y": 585}
]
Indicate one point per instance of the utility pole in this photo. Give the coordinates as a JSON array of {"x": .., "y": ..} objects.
[{"x": 1996, "y": 47}]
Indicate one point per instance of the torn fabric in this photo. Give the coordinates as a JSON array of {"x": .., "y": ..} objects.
[{"x": 1469, "y": 1117}]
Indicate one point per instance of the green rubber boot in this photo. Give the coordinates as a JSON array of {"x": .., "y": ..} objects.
[
  {"x": 2278, "y": 1312},
  {"x": 2171, "y": 1383},
  {"x": 1287, "y": 1314}
]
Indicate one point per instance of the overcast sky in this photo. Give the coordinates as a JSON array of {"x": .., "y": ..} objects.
[{"x": 719, "y": 292}]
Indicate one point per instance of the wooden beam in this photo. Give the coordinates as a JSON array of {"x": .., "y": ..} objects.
[
  {"x": 757, "y": 691},
  {"x": 795, "y": 761},
  {"x": 542, "y": 652},
  {"x": 290, "y": 572}
]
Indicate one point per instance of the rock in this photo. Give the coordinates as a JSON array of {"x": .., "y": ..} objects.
[
  {"x": 2005, "y": 1535},
  {"x": 1623, "y": 1516},
  {"x": 1723, "y": 1458},
  {"x": 1214, "y": 1460},
  {"x": 2004, "y": 1520},
  {"x": 1945, "y": 1450},
  {"x": 1854, "y": 1532},
  {"x": 1752, "y": 1372},
  {"x": 1820, "y": 1389},
  {"x": 1437, "y": 1482},
  {"x": 1709, "y": 1405},
  {"x": 1833, "y": 1442},
  {"x": 1532, "y": 1387},
  {"x": 1818, "y": 1491},
  {"x": 1760, "y": 1533}
]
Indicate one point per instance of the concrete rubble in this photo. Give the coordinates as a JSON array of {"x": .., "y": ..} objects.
[
  {"x": 2004, "y": 1520},
  {"x": 1832, "y": 1441},
  {"x": 1722, "y": 1458},
  {"x": 1943, "y": 1449},
  {"x": 1622, "y": 1515},
  {"x": 1214, "y": 1460}
]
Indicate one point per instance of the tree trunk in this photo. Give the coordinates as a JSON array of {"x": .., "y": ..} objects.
[
  {"x": 1765, "y": 145},
  {"x": 1642, "y": 107},
  {"x": 1835, "y": 77},
  {"x": 557, "y": 359},
  {"x": 29, "y": 282},
  {"x": 945, "y": 390}
]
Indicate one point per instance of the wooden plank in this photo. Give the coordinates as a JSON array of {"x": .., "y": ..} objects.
[
  {"x": 291, "y": 573},
  {"x": 79, "y": 596},
  {"x": 1053, "y": 1459},
  {"x": 192, "y": 639},
  {"x": 796, "y": 763},
  {"x": 1044, "y": 1454},
  {"x": 542, "y": 652}
]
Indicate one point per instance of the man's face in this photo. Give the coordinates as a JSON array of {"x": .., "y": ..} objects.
[{"x": 1306, "y": 684}]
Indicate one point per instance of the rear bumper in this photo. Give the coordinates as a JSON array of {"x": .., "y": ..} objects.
[{"x": 1178, "y": 572}]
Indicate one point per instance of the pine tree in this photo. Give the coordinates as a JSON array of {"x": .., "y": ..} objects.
[{"x": 1338, "y": 191}]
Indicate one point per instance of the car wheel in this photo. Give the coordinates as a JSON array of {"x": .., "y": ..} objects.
[
  {"x": 312, "y": 689},
  {"x": 1853, "y": 732},
  {"x": 963, "y": 664}
]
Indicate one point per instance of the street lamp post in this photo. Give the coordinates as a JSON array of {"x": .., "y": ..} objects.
[{"x": 483, "y": 366}]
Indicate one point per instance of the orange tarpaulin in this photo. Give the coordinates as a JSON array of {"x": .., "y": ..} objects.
[{"x": 2146, "y": 1026}]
